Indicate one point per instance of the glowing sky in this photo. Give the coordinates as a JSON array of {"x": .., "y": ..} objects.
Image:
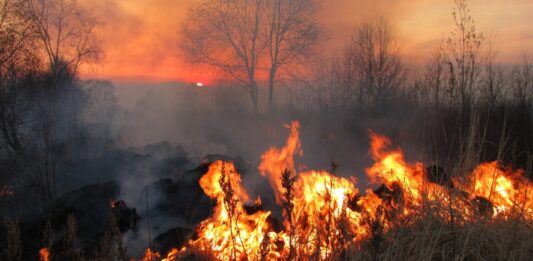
[{"x": 139, "y": 37}]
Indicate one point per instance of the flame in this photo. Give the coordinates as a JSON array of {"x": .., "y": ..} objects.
[
  {"x": 150, "y": 255},
  {"x": 408, "y": 181},
  {"x": 508, "y": 191},
  {"x": 274, "y": 161},
  {"x": 324, "y": 214},
  {"x": 44, "y": 254},
  {"x": 171, "y": 255},
  {"x": 231, "y": 233},
  {"x": 391, "y": 169}
]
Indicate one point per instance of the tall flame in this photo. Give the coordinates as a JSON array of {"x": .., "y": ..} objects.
[
  {"x": 274, "y": 161},
  {"x": 230, "y": 233}
]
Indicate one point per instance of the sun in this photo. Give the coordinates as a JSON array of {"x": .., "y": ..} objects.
[{"x": 199, "y": 84}]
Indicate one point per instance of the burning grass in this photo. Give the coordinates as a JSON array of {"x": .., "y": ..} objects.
[
  {"x": 485, "y": 214},
  {"x": 44, "y": 254}
]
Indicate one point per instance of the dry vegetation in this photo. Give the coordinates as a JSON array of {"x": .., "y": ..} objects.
[{"x": 464, "y": 109}]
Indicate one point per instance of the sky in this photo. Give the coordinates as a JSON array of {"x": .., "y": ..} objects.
[{"x": 139, "y": 38}]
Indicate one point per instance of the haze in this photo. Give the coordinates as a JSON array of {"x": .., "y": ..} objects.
[{"x": 139, "y": 38}]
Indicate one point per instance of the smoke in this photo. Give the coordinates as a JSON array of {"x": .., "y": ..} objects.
[
  {"x": 149, "y": 137},
  {"x": 219, "y": 120},
  {"x": 189, "y": 122}
]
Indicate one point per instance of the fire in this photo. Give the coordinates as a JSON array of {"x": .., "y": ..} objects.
[
  {"x": 407, "y": 181},
  {"x": 274, "y": 161},
  {"x": 150, "y": 255},
  {"x": 508, "y": 191},
  {"x": 231, "y": 233},
  {"x": 44, "y": 254},
  {"x": 324, "y": 215},
  {"x": 172, "y": 255}
]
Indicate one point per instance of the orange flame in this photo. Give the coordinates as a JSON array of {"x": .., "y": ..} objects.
[
  {"x": 171, "y": 255},
  {"x": 231, "y": 233},
  {"x": 274, "y": 161},
  {"x": 150, "y": 255},
  {"x": 508, "y": 191},
  {"x": 325, "y": 214},
  {"x": 44, "y": 254}
]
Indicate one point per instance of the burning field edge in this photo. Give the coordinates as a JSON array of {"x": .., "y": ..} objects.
[{"x": 414, "y": 210}]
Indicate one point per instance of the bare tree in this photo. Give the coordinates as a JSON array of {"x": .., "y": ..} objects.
[
  {"x": 522, "y": 85},
  {"x": 434, "y": 76},
  {"x": 249, "y": 39},
  {"x": 494, "y": 77},
  {"x": 226, "y": 34},
  {"x": 462, "y": 55},
  {"x": 291, "y": 34},
  {"x": 48, "y": 40},
  {"x": 320, "y": 86},
  {"x": 377, "y": 67},
  {"x": 15, "y": 38},
  {"x": 366, "y": 74},
  {"x": 64, "y": 32},
  {"x": 16, "y": 59}
]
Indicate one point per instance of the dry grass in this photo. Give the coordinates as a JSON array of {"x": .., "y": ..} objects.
[{"x": 430, "y": 238}]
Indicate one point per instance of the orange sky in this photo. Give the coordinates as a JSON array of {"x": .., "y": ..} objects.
[{"x": 139, "y": 37}]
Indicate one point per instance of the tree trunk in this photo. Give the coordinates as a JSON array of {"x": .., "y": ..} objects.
[
  {"x": 254, "y": 98},
  {"x": 271, "y": 79}
]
